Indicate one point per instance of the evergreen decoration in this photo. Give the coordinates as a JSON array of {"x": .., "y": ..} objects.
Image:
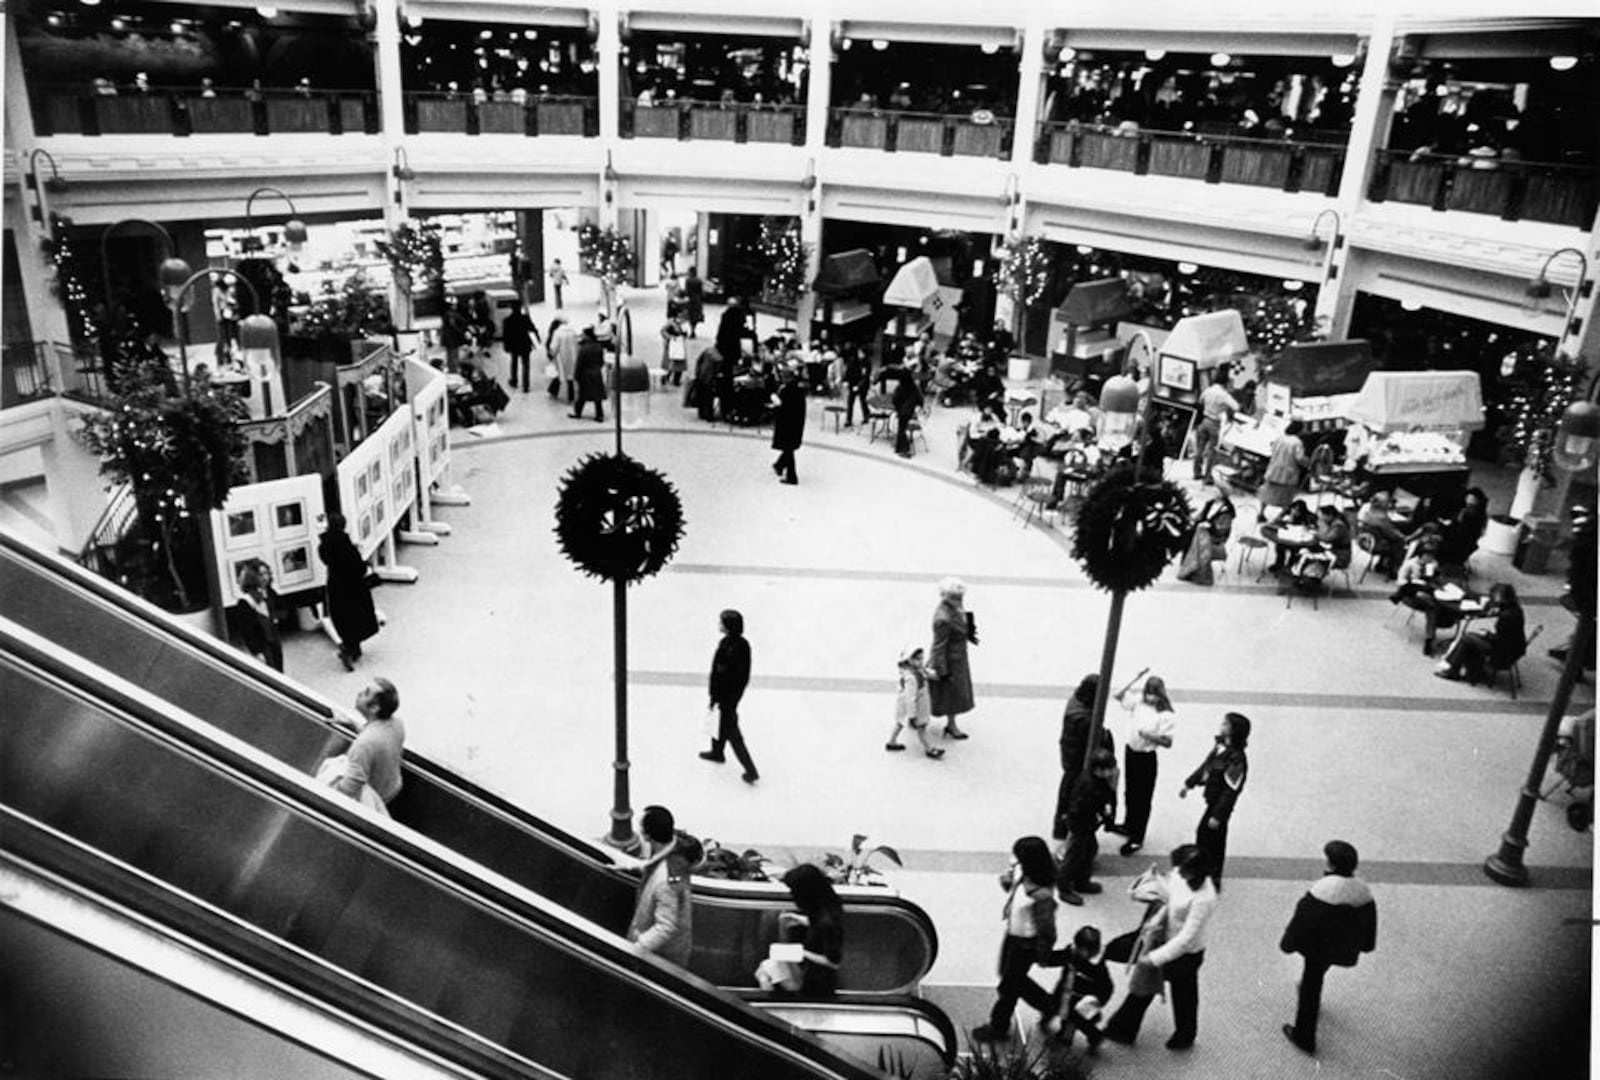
[
  {"x": 181, "y": 454},
  {"x": 1128, "y": 530},
  {"x": 1544, "y": 385},
  {"x": 783, "y": 257},
  {"x": 617, "y": 519},
  {"x": 69, "y": 289},
  {"x": 416, "y": 254},
  {"x": 605, "y": 254},
  {"x": 350, "y": 312},
  {"x": 1023, "y": 274}
]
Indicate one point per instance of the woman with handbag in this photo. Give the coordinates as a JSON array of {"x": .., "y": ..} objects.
[
  {"x": 1030, "y": 917},
  {"x": 1181, "y": 925}
]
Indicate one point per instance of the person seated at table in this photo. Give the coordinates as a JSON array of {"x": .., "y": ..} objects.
[
  {"x": 1460, "y": 535},
  {"x": 1333, "y": 533},
  {"x": 1077, "y": 416},
  {"x": 1475, "y": 654},
  {"x": 1212, "y": 527},
  {"x": 1298, "y": 516},
  {"x": 986, "y": 448},
  {"x": 1030, "y": 444},
  {"x": 1375, "y": 518},
  {"x": 987, "y": 387},
  {"x": 1082, "y": 460}
]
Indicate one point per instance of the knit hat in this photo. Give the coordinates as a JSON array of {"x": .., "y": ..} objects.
[{"x": 909, "y": 651}]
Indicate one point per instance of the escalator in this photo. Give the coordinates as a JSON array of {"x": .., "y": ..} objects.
[
  {"x": 111, "y": 789},
  {"x": 891, "y": 942}
]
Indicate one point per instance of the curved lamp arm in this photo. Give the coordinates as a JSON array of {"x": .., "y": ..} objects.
[
  {"x": 105, "y": 239},
  {"x": 294, "y": 230}
]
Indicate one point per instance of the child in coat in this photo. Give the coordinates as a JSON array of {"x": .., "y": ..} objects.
[
  {"x": 913, "y": 704},
  {"x": 1084, "y": 989}
]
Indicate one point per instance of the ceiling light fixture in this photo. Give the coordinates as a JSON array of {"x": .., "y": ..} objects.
[
  {"x": 1220, "y": 59},
  {"x": 879, "y": 44},
  {"x": 1563, "y": 63},
  {"x": 1342, "y": 60},
  {"x": 1155, "y": 54}
]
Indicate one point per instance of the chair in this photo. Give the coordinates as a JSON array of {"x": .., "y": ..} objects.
[
  {"x": 1319, "y": 474},
  {"x": 914, "y": 432},
  {"x": 1367, "y": 541},
  {"x": 878, "y": 417},
  {"x": 1512, "y": 670},
  {"x": 1033, "y": 500},
  {"x": 834, "y": 411},
  {"x": 1248, "y": 546}
]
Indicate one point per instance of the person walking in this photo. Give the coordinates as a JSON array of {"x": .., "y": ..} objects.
[
  {"x": 1217, "y": 407},
  {"x": 1094, "y": 795},
  {"x": 950, "y": 685},
  {"x": 558, "y": 281},
  {"x": 519, "y": 336},
  {"x": 905, "y": 399},
  {"x": 1076, "y": 720},
  {"x": 1030, "y": 918},
  {"x": 1221, "y": 778},
  {"x": 663, "y": 913},
  {"x": 1285, "y": 467},
  {"x": 253, "y": 621},
  {"x": 370, "y": 770},
  {"x": 452, "y": 333},
  {"x": 1150, "y": 724},
  {"x": 1333, "y": 924},
  {"x": 347, "y": 593},
  {"x": 1185, "y": 918},
  {"x": 730, "y": 674},
  {"x": 857, "y": 383},
  {"x": 913, "y": 704},
  {"x": 562, "y": 344},
  {"x": 590, "y": 373},
  {"x": 694, "y": 301},
  {"x": 789, "y": 421}
]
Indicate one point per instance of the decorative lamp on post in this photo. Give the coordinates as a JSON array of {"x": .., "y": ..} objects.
[
  {"x": 294, "y": 230},
  {"x": 1541, "y": 287},
  {"x": 1575, "y": 449},
  {"x": 174, "y": 278},
  {"x": 51, "y": 185},
  {"x": 258, "y": 342},
  {"x": 1119, "y": 411},
  {"x": 1313, "y": 242}
]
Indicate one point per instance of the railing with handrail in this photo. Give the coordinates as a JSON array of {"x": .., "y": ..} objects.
[
  {"x": 1512, "y": 190},
  {"x": 188, "y": 110},
  {"x": 538, "y": 114},
  {"x": 966, "y": 135},
  {"x": 739, "y": 122},
  {"x": 26, "y": 373},
  {"x": 294, "y": 442},
  {"x": 114, "y": 523},
  {"x": 1216, "y": 159}
]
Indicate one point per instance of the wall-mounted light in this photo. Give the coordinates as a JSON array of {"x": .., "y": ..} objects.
[
  {"x": 1410, "y": 305},
  {"x": 1577, "y": 437},
  {"x": 51, "y": 185},
  {"x": 1293, "y": 285},
  {"x": 809, "y": 184},
  {"x": 403, "y": 171},
  {"x": 267, "y": 12},
  {"x": 988, "y": 48},
  {"x": 1541, "y": 287},
  {"x": 1187, "y": 268}
]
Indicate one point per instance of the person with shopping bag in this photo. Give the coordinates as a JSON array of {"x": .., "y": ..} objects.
[{"x": 1030, "y": 918}]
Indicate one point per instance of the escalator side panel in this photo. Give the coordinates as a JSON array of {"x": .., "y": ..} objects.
[{"x": 568, "y": 994}]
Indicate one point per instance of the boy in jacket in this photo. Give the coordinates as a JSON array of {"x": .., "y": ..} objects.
[{"x": 1333, "y": 924}]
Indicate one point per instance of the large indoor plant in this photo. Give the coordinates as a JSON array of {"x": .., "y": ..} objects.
[{"x": 180, "y": 453}]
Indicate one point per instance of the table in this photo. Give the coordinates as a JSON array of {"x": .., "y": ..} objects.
[
  {"x": 1458, "y": 604},
  {"x": 1292, "y": 541}
]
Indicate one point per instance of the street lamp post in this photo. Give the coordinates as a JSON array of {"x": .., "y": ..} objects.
[
  {"x": 258, "y": 334},
  {"x": 1575, "y": 451},
  {"x": 294, "y": 230},
  {"x": 105, "y": 254}
]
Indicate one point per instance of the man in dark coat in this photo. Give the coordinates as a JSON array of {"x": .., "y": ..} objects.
[
  {"x": 905, "y": 399},
  {"x": 519, "y": 337},
  {"x": 857, "y": 382},
  {"x": 789, "y": 422},
  {"x": 349, "y": 597},
  {"x": 694, "y": 303},
  {"x": 706, "y": 377},
  {"x": 732, "y": 329},
  {"x": 1333, "y": 924},
  {"x": 1093, "y": 799},
  {"x": 590, "y": 375},
  {"x": 730, "y": 674},
  {"x": 1075, "y": 723}
]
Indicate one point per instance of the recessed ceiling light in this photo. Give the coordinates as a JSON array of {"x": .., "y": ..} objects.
[
  {"x": 267, "y": 12},
  {"x": 1342, "y": 60},
  {"x": 879, "y": 44},
  {"x": 1220, "y": 59},
  {"x": 1154, "y": 54},
  {"x": 1187, "y": 268},
  {"x": 1410, "y": 305}
]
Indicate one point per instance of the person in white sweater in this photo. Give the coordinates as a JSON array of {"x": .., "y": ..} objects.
[{"x": 1191, "y": 899}]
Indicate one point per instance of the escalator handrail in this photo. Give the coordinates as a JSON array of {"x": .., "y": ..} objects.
[
  {"x": 71, "y": 864},
  {"x": 846, "y": 1000},
  {"x": 323, "y": 711},
  {"x": 471, "y": 883}
]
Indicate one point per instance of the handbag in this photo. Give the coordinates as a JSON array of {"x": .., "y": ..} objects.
[
  {"x": 551, "y": 371},
  {"x": 712, "y": 724}
]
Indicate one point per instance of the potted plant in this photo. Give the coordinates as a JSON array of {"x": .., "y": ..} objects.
[{"x": 180, "y": 454}]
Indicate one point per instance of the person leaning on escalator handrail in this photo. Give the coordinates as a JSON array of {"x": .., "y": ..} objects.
[
  {"x": 820, "y": 923},
  {"x": 370, "y": 770},
  {"x": 663, "y": 915}
]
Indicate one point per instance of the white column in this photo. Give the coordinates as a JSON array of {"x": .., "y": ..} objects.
[
  {"x": 1369, "y": 130},
  {"x": 1030, "y": 71},
  {"x": 47, "y": 317},
  {"x": 811, "y": 237},
  {"x": 391, "y": 111},
  {"x": 608, "y": 54},
  {"x": 819, "y": 82}
]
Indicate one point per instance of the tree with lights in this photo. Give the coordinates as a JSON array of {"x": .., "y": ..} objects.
[
  {"x": 1023, "y": 274},
  {"x": 416, "y": 257},
  {"x": 350, "y": 312},
  {"x": 1542, "y": 384},
  {"x": 783, "y": 257}
]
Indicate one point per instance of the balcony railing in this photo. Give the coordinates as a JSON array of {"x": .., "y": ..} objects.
[
  {"x": 40, "y": 369},
  {"x": 1512, "y": 190},
  {"x": 1215, "y": 159},
  {"x": 544, "y": 114},
  {"x": 920, "y": 133},
  {"x": 739, "y": 122},
  {"x": 77, "y": 110}
]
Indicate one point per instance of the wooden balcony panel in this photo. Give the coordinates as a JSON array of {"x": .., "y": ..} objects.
[
  {"x": 711, "y": 122},
  {"x": 1480, "y": 191},
  {"x": 501, "y": 118},
  {"x": 770, "y": 127},
  {"x": 651, "y": 122},
  {"x": 61, "y": 114},
  {"x": 1180, "y": 157},
  {"x": 1561, "y": 198},
  {"x": 441, "y": 114},
  {"x": 864, "y": 132},
  {"x": 1414, "y": 181},
  {"x": 134, "y": 114},
  {"x": 1060, "y": 148},
  {"x": 352, "y": 115},
  {"x": 920, "y": 136},
  {"x": 560, "y": 117},
  {"x": 978, "y": 140},
  {"x": 297, "y": 115},
  {"x": 1320, "y": 172},
  {"x": 1102, "y": 151},
  {"x": 220, "y": 116},
  {"x": 1259, "y": 166}
]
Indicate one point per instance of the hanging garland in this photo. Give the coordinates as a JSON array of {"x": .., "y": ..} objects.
[
  {"x": 68, "y": 287},
  {"x": 617, "y": 519},
  {"x": 1545, "y": 385},
  {"x": 605, "y": 253},
  {"x": 1128, "y": 531}
]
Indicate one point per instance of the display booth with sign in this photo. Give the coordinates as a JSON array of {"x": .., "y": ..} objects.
[
  {"x": 1084, "y": 351},
  {"x": 1313, "y": 382},
  {"x": 921, "y": 301},
  {"x": 846, "y": 285},
  {"x": 1410, "y": 428},
  {"x": 1197, "y": 345}
]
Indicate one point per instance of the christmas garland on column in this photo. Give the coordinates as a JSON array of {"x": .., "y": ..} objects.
[
  {"x": 605, "y": 253},
  {"x": 1127, "y": 531},
  {"x": 617, "y": 519}
]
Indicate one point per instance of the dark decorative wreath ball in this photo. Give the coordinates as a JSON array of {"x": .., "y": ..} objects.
[
  {"x": 617, "y": 519},
  {"x": 1128, "y": 531}
]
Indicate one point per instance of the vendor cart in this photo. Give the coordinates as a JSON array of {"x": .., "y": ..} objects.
[{"x": 1409, "y": 430}]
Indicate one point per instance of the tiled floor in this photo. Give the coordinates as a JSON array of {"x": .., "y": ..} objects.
[{"x": 502, "y": 653}]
